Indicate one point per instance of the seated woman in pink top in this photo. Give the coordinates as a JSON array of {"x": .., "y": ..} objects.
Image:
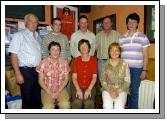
[
  {"x": 53, "y": 78},
  {"x": 84, "y": 74}
]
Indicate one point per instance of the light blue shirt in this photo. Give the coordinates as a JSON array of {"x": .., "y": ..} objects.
[{"x": 27, "y": 47}]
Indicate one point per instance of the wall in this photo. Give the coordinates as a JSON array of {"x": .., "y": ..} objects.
[{"x": 121, "y": 12}]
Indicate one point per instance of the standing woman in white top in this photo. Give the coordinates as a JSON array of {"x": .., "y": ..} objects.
[{"x": 25, "y": 52}]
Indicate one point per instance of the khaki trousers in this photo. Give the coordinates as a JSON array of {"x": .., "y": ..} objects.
[{"x": 49, "y": 103}]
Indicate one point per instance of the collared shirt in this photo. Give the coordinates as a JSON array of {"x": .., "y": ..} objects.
[
  {"x": 103, "y": 42},
  {"x": 53, "y": 73},
  {"x": 27, "y": 47},
  {"x": 132, "y": 48},
  {"x": 84, "y": 71},
  {"x": 62, "y": 40},
  {"x": 76, "y": 37}
]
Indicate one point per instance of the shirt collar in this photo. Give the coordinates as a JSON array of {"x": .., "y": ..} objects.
[
  {"x": 84, "y": 33},
  {"x": 133, "y": 34},
  {"x": 51, "y": 61},
  {"x": 31, "y": 33}
]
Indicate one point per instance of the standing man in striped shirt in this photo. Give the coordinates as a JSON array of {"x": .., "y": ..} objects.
[
  {"x": 59, "y": 37},
  {"x": 103, "y": 39},
  {"x": 134, "y": 51},
  {"x": 25, "y": 52}
]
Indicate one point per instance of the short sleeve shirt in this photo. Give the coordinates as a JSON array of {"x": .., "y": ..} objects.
[
  {"x": 84, "y": 70},
  {"x": 53, "y": 72}
]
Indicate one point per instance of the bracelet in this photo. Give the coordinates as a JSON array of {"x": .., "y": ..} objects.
[{"x": 144, "y": 70}]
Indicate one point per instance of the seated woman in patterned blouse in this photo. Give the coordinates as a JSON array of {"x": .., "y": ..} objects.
[
  {"x": 53, "y": 77},
  {"x": 115, "y": 79},
  {"x": 84, "y": 74}
]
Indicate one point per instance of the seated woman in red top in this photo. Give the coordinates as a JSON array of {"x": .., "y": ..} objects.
[{"x": 84, "y": 74}]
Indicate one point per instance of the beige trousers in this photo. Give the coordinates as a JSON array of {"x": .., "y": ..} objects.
[{"x": 49, "y": 103}]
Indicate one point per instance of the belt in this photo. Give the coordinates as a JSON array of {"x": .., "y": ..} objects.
[
  {"x": 26, "y": 67},
  {"x": 104, "y": 59}
]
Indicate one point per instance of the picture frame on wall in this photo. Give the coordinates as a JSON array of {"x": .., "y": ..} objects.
[
  {"x": 69, "y": 18},
  {"x": 97, "y": 24}
]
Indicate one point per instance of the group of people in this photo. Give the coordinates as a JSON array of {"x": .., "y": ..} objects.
[{"x": 43, "y": 66}]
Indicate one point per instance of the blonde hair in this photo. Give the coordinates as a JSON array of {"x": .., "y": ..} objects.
[{"x": 27, "y": 16}]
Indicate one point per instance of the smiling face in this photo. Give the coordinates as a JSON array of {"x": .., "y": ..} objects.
[
  {"x": 54, "y": 52},
  {"x": 31, "y": 23},
  {"x": 83, "y": 24},
  {"x": 132, "y": 25},
  {"x": 107, "y": 24},
  {"x": 114, "y": 52},
  {"x": 84, "y": 49},
  {"x": 56, "y": 26}
]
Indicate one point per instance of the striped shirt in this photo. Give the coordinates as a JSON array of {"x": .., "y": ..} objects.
[
  {"x": 103, "y": 42},
  {"x": 76, "y": 37},
  {"x": 132, "y": 48},
  {"x": 62, "y": 40},
  {"x": 27, "y": 47}
]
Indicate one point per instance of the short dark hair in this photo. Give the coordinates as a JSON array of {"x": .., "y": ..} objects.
[
  {"x": 54, "y": 19},
  {"x": 83, "y": 16},
  {"x": 51, "y": 44},
  {"x": 84, "y": 41},
  {"x": 114, "y": 44},
  {"x": 133, "y": 16}
]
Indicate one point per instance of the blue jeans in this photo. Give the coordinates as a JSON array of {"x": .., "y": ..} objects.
[
  {"x": 134, "y": 87},
  {"x": 100, "y": 64}
]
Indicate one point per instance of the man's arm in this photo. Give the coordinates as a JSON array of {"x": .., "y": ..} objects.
[
  {"x": 44, "y": 47},
  {"x": 14, "y": 61}
]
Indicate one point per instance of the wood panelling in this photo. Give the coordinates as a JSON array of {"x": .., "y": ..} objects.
[
  {"x": 121, "y": 11},
  {"x": 151, "y": 69},
  {"x": 151, "y": 51}
]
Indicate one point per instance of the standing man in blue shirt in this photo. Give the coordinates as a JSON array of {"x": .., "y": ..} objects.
[{"x": 25, "y": 52}]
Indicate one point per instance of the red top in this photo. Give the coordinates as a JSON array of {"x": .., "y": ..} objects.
[{"x": 84, "y": 70}]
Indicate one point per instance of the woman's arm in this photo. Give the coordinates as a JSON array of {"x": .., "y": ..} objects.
[
  {"x": 79, "y": 93},
  {"x": 103, "y": 79},
  {"x": 89, "y": 89},
  {"x": 42, "y": 84},
  {"x": 64, "y": 82},
  {"x": 145, "y": 62}
]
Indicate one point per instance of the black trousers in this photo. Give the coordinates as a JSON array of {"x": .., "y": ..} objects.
[{"x": 30, "y": 89}]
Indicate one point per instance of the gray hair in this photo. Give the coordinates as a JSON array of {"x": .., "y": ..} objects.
[{"x": 26, "y": 17}]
